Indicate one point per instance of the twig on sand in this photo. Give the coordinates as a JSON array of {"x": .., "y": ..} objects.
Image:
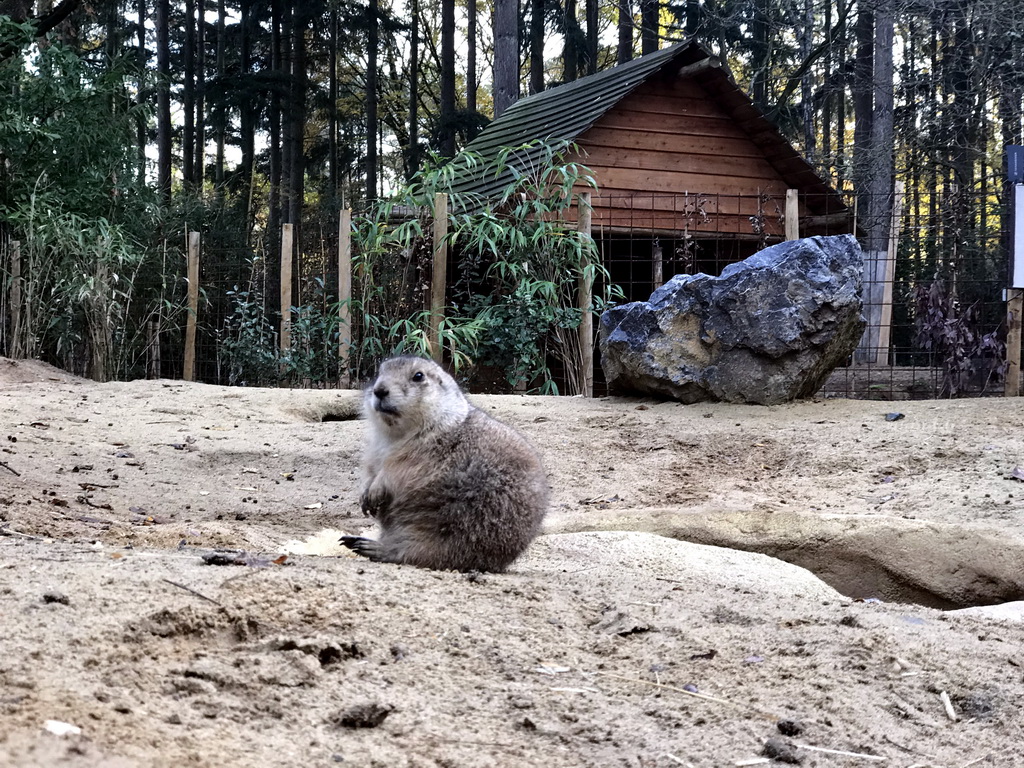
[
  {"x": 696, "y": 695},
  {"x": 903, "y": 747},
  {"x": 677, "y": 760},
  {"x": 983, "y": 758},
  {"x": 192, "y": 591},
  {"x": 4, "y": 531},
  {"x": 9, "y": 468},
  {"x": 947, "y": 705},
  {"x": 842, "y": 752}
]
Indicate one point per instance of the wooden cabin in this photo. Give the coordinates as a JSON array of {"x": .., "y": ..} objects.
[{"x": 691, "y": 176}]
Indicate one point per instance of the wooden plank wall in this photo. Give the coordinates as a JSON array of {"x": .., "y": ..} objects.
[{"x": 670, "y": 138}]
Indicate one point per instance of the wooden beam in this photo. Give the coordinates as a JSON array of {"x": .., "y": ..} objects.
[
  {"x": 708, "y": 144},
  {"x": 586, "y": 295},
  {"x": 682, "y": 160},
  {"x": 672, "y": 182},
  {"x": 345, "y": 295},
  {"x": 704, "y": 65},
  {"x": 841, "y": 219},
  {"x": 439, "y": 276},
  {"x": 792, "y": 214},
  {"x": 189, "y": 368}
]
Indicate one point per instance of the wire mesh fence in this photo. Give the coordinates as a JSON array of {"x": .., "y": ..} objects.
[{"x": 933, "y": 294}]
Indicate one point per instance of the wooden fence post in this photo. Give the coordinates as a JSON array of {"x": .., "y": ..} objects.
[
  {"x": 287, "y": 254},
  {"x": 97, "y": 311},
  {"x": 658, "y": 255},
  {"x": 1014, "y": 308},
  {"x": 189, "y": 369},
  {"x": 153, "y": 345},
  {"x": 344, "y": 294},
  {"x": 895, "y": 230},
  {"x": 439, "y": 275},
  {"x": 16, "y": 349},
  {"x": 586, "y": 290},
  {"x": 792, "y": 214}
]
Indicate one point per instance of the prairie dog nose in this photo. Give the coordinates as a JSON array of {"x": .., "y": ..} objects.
[{"x": 380, "y": 391}]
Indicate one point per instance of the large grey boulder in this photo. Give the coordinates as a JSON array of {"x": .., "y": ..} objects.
[{"x": 768, "y": 330}]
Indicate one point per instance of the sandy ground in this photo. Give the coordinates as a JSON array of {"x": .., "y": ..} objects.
[{"x": 611, "y": 643}]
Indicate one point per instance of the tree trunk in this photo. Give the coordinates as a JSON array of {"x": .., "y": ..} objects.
[
  {"x": 650, "y": 11},
  {"x": 274, "y": 150},
  {"x": 592, "y": 33},
  {"x": 877, "y": 167},
  {"x": 296, "y": 180},
  {"x": 1010, "y": 112},
  {"x": 760, "y": 53},
  {"x": 536, "y": 46},
  {"x": 693, "y": 17},
  {"x": 222, "y": 112},
  {"x": 828, "y": 91},
  {"x": 188, "y": 96},
  {"x": 372, "y": 20},
  {"x": 199, "y": 166},
  {"x": 880, "y": 175},
  {"x": 446, "y": 133},
  {"x": 570, "y": 50},
  {"x": 414, "y": 93},
  {"x": 958, "y": 69},
  {"x": 840, "y": 117},
  {"x": 287, "y": 116},
  {"x": 624, "y": 48},
  {"x": 471, "y": 55},
  {"x": 247, "y": 121},
  {"x": 142, "y": 137},
  {"x": 863, "y": 73},
  {"x": 332, "y": 109},
  {"x": 163, "y": 100},
  {"x": 806, "y": 82},
  {"x": 506, "y": 55}
]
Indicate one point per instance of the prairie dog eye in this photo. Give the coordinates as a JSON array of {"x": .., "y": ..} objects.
[{"x": 418, "y": 376}]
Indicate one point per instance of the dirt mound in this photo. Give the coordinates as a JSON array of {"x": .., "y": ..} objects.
[{"x": 30, "y": 371}]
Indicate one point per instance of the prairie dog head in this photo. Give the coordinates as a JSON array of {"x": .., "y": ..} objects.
[{"x": 412, "y": 395}]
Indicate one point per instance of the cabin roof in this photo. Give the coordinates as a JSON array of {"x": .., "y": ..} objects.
[{"x": 566, "y": 112}]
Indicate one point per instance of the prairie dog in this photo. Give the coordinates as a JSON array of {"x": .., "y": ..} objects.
[{"x": 451, "y": 487}]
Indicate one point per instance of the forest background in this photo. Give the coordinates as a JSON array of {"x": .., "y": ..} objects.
[{"x": 125, "y": 125}]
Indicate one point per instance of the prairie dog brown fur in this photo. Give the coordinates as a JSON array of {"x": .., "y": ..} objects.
[{"x": 451, "y": 487}]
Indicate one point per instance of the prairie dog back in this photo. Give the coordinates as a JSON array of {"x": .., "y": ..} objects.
[{"x": 451, "y": 487}]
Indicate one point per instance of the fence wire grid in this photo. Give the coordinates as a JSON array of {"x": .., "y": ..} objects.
[{"x": 939, "y": 314}]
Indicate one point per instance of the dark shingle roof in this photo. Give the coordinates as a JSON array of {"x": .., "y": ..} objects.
[
  {"x": 566, "y": 112},
  {"x": 562, "y": 113}
]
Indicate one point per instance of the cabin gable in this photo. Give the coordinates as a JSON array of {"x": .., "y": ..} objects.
[
  {"x": 685, "y": 165},
  {"x": 671, "y": 137}
]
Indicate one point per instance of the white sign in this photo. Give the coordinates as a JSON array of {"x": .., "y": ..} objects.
[{"x": 1017, "y": 271}]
